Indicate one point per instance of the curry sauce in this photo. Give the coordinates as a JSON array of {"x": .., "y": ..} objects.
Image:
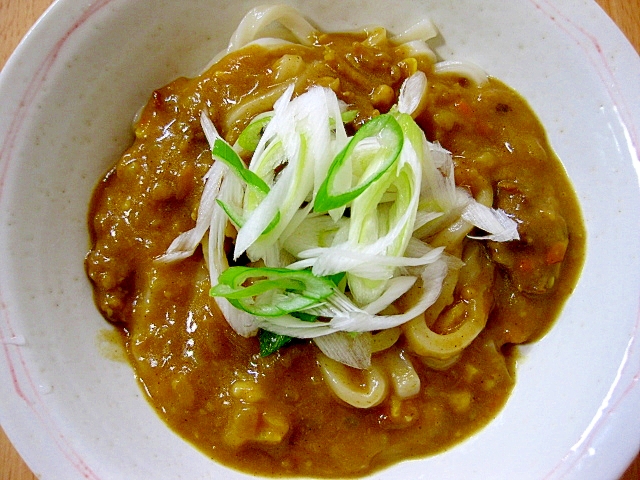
[{"x": 274, "y": 415}]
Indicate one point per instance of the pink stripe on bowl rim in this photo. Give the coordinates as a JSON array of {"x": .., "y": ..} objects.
[{"x": 21, "y": 378}]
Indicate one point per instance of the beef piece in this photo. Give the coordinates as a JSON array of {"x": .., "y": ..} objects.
[{"x": 534, "y": 262}]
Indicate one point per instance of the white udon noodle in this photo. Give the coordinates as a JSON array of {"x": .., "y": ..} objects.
[{"x": 391, "y": 371}]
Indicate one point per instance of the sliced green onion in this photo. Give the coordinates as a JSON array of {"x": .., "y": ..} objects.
[
  {"x": 223, "y": 151},
  {"x": 233, "y": 212},
  {"x": 385, "y": 229},
  {"x": 349, "y": 116},
  {"x": 236, "y": 216},
  {"x": 251, "y": 135},
  {"x": 370, "y": 153},
  {"x": 270, "y": 292}
]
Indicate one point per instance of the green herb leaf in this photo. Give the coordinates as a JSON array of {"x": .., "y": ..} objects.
[{"x": 272, "y": 342}]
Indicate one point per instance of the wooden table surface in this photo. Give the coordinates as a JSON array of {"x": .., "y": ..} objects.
[{"x": 17, "y": 16}]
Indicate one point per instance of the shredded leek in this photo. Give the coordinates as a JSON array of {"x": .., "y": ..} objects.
[
  {"x": 272, "y": 342},
  {"x": 336, "y": 221},
  {"x": 271, "y": 292}
]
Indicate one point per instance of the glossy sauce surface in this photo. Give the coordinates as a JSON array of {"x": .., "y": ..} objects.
[{"x": 275, "y": 415}]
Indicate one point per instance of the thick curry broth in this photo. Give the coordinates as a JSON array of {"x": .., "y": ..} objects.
[{"x": 275, "y": 415}]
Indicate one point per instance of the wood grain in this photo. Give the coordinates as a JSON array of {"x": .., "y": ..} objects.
[
  {"x": 16, "y": 17},
  {"x": 626, "y": 14}
]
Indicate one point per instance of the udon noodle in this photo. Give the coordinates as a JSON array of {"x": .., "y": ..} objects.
[{"x": 322, "y": 249}]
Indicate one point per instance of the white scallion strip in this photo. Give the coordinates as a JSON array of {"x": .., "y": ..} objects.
[
  {"x": 413, "y": 94},
  {"x": 243, "y": 323},
  {"x": 396, "y": 287},
  {"x": 340, "y": 258},
  {"x": 312, "y": 231},
  {"x": 424, "y": 217},
  {"x": 301, "y": 130},
  {"x": 347, "y": 317},
  {"x": 438, "y": 182},
  {"x": 432, "y": 277},
  {"x": 186, "y": 243},
  {"x": 499, "y": 226}
]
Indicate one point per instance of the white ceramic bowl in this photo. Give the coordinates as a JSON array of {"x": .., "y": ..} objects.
[{"x": 68, "y": 96}]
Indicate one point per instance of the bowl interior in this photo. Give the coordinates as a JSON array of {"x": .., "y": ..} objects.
[{"x": 86, "y": 70}]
